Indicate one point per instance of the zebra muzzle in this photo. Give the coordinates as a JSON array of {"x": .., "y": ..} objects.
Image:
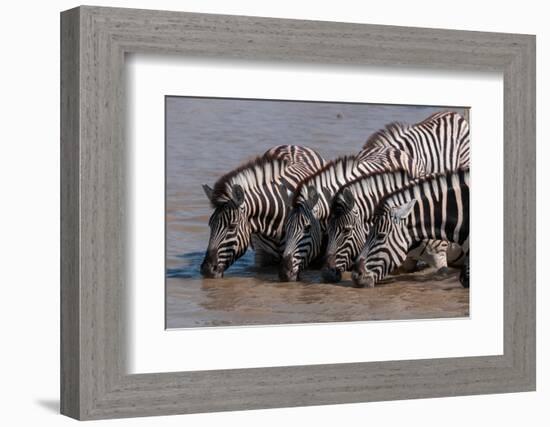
[
  {"x": 211, "y": 272},
  {"x": 331, "y": 275},
  {"x": 361, "y": 277},
  {"x": 287, "y": 271},
  {"x": 210, "y": 268},
  {"x": 329, "y": 272},
  {"x": 363, "y": 280}
]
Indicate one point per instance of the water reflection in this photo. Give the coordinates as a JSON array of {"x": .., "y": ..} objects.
[{"x": 189, "y": 267}]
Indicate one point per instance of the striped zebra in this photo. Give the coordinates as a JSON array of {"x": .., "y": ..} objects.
[
  {"x": 438, "y": 144},
  {"x": 249, "y": 205},
  {"x": 434, "y": 208},
  {"x": 306, "y": 224},
  {"x": 351, "y": 217}
]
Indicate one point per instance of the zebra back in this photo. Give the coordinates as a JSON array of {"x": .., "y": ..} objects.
[{"x": 438, "y": 144}]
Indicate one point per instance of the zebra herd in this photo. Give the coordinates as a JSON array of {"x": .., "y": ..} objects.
[{"x": 403, "y": 197}]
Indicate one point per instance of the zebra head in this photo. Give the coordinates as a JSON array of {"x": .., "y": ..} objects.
[
  {"x": 387, "y": 245},
  {"x": 229, "y": 233},
  {"x": 303, "y": 237},
  {"x": 346, "y": 235}
]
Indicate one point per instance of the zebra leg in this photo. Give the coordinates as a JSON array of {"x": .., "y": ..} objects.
[
  {"x": 436, "y": 255},
  {"x": 433, "y": 253},
  {"x": 409, "y": 265},
  {"x": 465, "y": 272},
  {"x": 266, "y": 251},
  {"x": 455, "y": 255},
  {"x": 318, "y": 262},
  {"x": 266, "y": 259}
]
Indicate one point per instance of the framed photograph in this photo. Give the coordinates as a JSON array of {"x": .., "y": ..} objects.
[{"x": 262, "y": 213}]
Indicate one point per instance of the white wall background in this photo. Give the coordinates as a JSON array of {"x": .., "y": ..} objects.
[{"x": 29, "y": 238}]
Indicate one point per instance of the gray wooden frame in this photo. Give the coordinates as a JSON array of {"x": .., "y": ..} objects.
[{"x": 94, "y": 382}]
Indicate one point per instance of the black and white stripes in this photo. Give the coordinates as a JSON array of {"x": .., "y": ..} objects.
[
  {"x": 250, "y": 201},
  {"x": 434, "y": 208},
  {"x": 306, "y": 224},
  {"x": 351, "y": 214},
  {"x": 439, "y": 144}
]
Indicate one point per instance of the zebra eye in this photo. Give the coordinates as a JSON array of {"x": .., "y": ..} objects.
[
  {"x": 232, "y": 227},
  {"x": 307, "y": 227},
  {"x": 348, "y": 228},
  {"x": 381, "y": 235}
]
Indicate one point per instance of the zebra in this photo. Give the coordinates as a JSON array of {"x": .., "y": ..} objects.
[
  {"x": 434, "y": 208},
  {"x": 310, "y": 207},
  {"x": 438, "y": 144},
  {"x": 249, "y": 205},
  {"x": 351, "y": 217}
]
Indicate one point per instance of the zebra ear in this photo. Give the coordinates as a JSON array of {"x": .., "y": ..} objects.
[
  {"x": 285, "y": 195},
  {"x": 208, "y": 191},
  {"x": 313, "y": 196},
  {"x": 328, "y": 195},
  {"x": 238, "y": 195},
  {"x": 403, "y": 211},
  {"x": 349, "y": 200}
]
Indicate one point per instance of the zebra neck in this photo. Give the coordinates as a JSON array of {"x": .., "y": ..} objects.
[
  {"x": 375, "y": 188},
  {"x": 328, "y": 181},
  {"x": 266, "y": 211},
  {"x": 268, "y": 224}
]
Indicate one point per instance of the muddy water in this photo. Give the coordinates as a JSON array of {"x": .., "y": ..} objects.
[{"x": 208, "y": 137}]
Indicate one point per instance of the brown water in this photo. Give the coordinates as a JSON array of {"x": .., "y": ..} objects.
[{"x": 206, "y": 138}]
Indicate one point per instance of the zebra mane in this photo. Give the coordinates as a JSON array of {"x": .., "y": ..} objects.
[
  {"x": 339, "y": 196},
  {"x": 301, "y": 190},
  {"x": 252, "y": 174}
]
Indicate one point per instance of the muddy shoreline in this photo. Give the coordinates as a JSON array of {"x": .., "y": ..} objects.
[{"x": 262, "y": 300}]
